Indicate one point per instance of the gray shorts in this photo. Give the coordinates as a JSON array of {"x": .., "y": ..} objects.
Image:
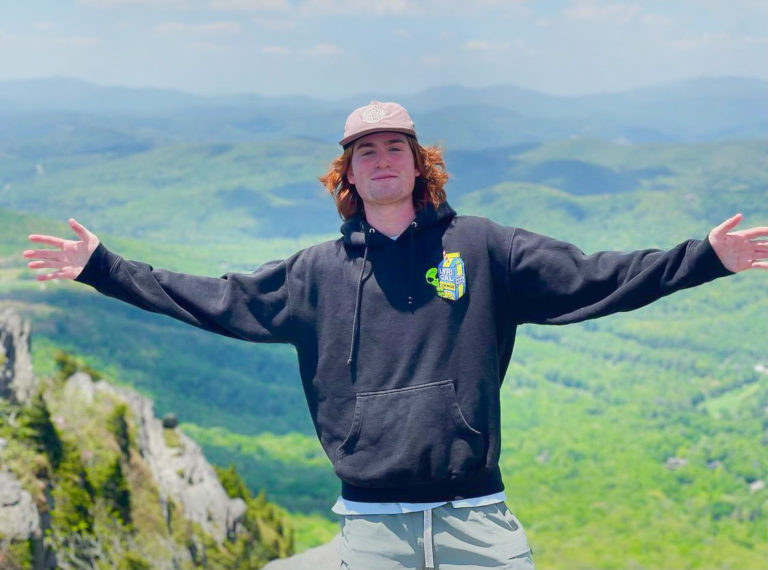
[{"x": 444, "y": 538}]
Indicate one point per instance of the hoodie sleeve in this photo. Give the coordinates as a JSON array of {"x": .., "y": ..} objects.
[
  {"x": 252, "y": 307},
  {"x": 553, "y": 282}
]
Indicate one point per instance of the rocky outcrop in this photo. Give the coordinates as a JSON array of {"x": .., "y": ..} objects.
[
  {"x": 183, "y": 474},
  {"x": 19, "y": 518},
  {"x": 100, "y": 460},
  {"x": 17, "y": 382}
]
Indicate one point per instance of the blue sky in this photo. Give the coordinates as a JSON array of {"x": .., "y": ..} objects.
[{"x": 328, "y": 48}]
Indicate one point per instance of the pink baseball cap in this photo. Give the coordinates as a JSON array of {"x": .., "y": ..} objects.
[{"x": 376, "y": 117}]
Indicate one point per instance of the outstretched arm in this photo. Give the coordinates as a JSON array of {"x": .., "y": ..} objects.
[
  {"x": 554, "y": 282},
  {"x": 251, "y": 306},
  {"x": 742, "y": 250}
]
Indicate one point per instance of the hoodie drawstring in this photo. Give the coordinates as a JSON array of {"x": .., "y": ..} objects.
[
  {"x": 410, "y": 265},
  {"x": 353, "y": 342},
  {"x": 355, "y": 324}
]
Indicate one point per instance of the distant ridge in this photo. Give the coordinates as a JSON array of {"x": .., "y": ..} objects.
[{"x": 703, "y": 109}]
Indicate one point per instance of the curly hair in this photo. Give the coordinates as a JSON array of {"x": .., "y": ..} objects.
[{"x": 428, "y": 188}]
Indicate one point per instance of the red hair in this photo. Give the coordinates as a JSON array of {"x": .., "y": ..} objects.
[{"x": 428, "y": 188}]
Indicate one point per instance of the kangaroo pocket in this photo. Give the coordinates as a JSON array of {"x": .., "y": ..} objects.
[{"x": 409, "y": 436}]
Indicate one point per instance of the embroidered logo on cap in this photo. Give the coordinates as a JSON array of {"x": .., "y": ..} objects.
[
  {"x": 373, "y": 113},
  {"x": 449, "y": 278}
]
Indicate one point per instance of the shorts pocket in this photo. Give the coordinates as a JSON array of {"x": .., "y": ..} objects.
[{"x": 409, "y": 436}]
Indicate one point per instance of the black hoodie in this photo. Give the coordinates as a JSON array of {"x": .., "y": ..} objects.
[{"x": 403, "y": 344}]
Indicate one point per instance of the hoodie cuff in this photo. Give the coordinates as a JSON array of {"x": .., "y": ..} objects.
[
  {"x": 98, "y": 267},
  {"x": 706, "y": 263}
]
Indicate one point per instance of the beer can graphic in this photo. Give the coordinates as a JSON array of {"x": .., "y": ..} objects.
[{"x": 451, "y": 277}]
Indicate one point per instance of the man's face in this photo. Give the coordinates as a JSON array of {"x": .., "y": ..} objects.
[{"x": 382, "y": 168}]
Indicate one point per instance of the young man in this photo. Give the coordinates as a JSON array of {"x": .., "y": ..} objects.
[{"x": 404, "y": 328}]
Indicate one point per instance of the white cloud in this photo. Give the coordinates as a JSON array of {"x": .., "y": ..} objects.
[
  {"x": 44, "y": 26},
  {"x": 114, "y": 3},
  {"x": 212, "y": 28},
  {"x": 483, "y": 45},
  {"x": 378, "y": 8},
  {"x": 431, "y": 60},
  {"x": 209, "y": 47},
  {"x": 655, "y": 20},
  {"x": 250, "y": 5},
  {"x": 704, "y": 41},
  {"x": 408, "y": 8},
  {"x": 478, "y": 45},
  {"x": 275, "y": 25},
  {"x": 591, "y": 11},
  {"x": 39, "y": 41},
  {"x": 79, "y": 41},
  {"x": 276, "y": 50},
  {"x": 323, "y": 49}
]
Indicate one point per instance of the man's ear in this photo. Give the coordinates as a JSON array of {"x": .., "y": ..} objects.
[{"x": 350, "y": 175}]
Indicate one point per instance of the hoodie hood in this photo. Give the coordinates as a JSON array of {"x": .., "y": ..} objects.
[{"x": 356, "y": 228}]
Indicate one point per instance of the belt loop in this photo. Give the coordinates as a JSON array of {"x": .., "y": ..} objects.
[{"x": 429, "y": 560}]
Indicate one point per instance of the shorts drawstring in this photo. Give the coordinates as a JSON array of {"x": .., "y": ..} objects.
[{"x": 429, "y": 559}]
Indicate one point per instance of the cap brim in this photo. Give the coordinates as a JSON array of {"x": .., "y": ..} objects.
[{"x": 352, "y": 138}]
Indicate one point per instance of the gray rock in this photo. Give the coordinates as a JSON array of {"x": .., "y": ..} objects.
[
  {"x": 183, "y": 474},
  {"x": 673, "y": 463},
  {"x": 81, "y": 386},
  {"x": 19, "y": 518},
  {"x": 17, "y": 382},
  {"x": 170, "y": 421},
  {"x": 324, "y": 557}
]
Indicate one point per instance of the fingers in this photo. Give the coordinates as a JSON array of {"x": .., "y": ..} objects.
[
  {"x": 47, "y": 240},
  {"x": 753, "y": 233},
  {"x": 80, "y": 230},
  {"x": 42, "y": 253},
  {"x": 759, "y": 265},
  {"x": 727, "y": 225},
  {"x": 46, "y": 264}
]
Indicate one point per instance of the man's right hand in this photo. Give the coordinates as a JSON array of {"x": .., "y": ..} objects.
[{"x": 69, "y": 259}]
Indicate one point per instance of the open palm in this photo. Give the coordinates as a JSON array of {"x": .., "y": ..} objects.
[
  {"x": 740, "y": 250},
  {"x": 70, "y": 257}
]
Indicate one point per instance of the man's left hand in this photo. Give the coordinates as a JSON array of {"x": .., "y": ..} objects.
[{"x": 740, "y": 250}]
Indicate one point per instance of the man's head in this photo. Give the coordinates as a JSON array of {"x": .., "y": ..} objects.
[
  {"x": 383, "y": 168},
  {"x": 382, "y": 160}
]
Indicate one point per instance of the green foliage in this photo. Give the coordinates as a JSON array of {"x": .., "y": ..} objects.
[
  {"x": 262, "y": 520},
  {"x": 293, "y": 467},
  {"x": 67, "y": 365},
  {"x": 172, "y": 438},
  {"x": 35, "y": 425},
  {"x": 133, "y": 561},
  {"x": 115, "y": 490},
  {"x": 73, "y": 495},
  {"x": 312, "y": 530},
  {"x": 233, "y": 484},
  {"x": 118, "y": 426},
  {"x": 16, "y": 555}
]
